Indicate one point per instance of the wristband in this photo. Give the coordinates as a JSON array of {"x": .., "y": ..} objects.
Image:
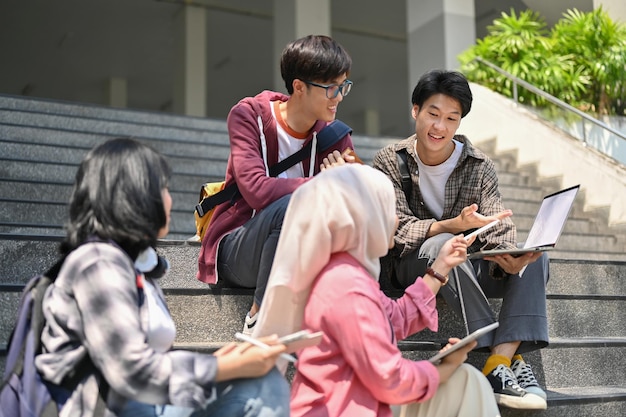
[{"x": 437, "y": 275}]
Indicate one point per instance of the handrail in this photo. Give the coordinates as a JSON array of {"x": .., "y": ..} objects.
[{"x": 551, "y": 99}]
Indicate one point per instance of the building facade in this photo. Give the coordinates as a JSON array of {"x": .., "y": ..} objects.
[{"x": 199, "y": 57}]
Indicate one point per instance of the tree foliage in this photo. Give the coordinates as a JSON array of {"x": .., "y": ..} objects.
[{"x": 581, "y": 60}]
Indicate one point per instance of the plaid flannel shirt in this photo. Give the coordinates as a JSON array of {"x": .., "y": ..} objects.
[
  {"x": 94, "y": 308},
  {"x": 473, "y": 180}
]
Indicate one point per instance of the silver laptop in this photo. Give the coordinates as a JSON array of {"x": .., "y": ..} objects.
[{"x": 546, "y": 228}]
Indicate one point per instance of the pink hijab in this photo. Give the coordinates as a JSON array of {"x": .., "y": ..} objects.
[{"x": 349, "y": 208}]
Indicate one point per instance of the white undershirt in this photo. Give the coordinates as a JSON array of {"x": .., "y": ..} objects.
[
  {"x": 433, "y": 178},
  {"x": 287, "y": 146},
  {"x": 161, "y": 327}
]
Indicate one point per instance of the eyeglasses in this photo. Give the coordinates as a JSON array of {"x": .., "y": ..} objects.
[{"x": 332, "y": 90}]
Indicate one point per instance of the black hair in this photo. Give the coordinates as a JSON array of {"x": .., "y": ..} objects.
[
  {"x": 313, "y": 58},
  {"x": 450, "y": 83},
  {"x": 117, "y": 196}
]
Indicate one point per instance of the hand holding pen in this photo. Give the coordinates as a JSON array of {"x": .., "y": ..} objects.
[
  {"x": 247, "y": 360},
  {"x": 258, "y": 343}
]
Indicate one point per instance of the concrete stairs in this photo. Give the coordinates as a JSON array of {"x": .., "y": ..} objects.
[{"x": 42, "y": 142}]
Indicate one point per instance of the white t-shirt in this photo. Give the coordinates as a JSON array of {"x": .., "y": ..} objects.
[
  {"x": 433, "y": 178},
  {"x": 289, "y": 142},
  {"x": 161, "y": 327}
]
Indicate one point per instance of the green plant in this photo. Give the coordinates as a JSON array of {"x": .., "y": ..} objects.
[
  {"x": 598, "y": 46},
  {"x": 516, "y": 44},
  {"x": 580, "y": 61}
]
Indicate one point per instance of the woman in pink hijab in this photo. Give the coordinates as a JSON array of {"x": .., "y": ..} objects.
[{"x": 325, "y": 278}]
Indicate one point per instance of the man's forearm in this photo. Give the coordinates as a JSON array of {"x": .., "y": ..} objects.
[{"x": 444, "y": 226}]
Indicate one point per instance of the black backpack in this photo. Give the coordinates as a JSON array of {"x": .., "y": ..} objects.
[
  {"x": 407, "y": 189},
  {"x": 23, "y": 392}
]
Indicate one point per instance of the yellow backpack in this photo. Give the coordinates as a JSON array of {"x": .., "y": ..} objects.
[{"x": 208, "y": 189}]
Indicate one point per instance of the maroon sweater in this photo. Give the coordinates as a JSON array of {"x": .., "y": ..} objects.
[{"x": 247, "y": 168}]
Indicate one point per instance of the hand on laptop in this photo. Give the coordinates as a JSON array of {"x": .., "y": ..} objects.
[{"x": 514, "y": 264}]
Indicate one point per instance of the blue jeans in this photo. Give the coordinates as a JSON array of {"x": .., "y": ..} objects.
[{"x": 267, "y": 396}]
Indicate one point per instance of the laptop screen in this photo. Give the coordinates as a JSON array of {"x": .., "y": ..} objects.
[{"x": 551, "y": 218}]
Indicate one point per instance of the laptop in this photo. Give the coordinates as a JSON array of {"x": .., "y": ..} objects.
[{"x": 546, "y": 228}]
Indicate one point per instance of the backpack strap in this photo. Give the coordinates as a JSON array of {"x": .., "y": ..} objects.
[
  {"x": 331, "y": 134},
  {"x": 230, "y": 193},
  {"x": 326, "y": 138},
  {"x": 407, "y": 184}
]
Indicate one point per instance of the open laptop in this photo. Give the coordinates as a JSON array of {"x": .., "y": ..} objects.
[{"x": 546, "y": 228}]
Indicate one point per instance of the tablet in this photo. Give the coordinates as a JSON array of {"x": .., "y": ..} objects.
[
  {"x": 300, "y": 340},
  {"x": 467, "y": 339},
  {"x": 513, "y": 252}
]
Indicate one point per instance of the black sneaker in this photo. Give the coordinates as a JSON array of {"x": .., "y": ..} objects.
[
  {"x": 508, "y": 392},
  {"x": 526, "y": 378}
]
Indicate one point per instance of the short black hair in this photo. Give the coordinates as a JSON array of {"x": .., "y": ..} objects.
[
  {"x": 450, "y": 83},
  {"x": 117, "y": 196},
  {"x": 313, "y": 58}
]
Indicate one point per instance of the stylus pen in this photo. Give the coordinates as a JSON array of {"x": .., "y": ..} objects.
[
  {"x": 482, "y": 229},
  {"x": 262, "y": 345}
]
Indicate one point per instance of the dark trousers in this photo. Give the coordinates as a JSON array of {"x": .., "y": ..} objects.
[
  {"x": 246, "y": 254},
  {"x": 523, "y": 314}
]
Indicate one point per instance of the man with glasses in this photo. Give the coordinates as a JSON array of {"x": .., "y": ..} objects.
[{"x": 239, "y": 245}]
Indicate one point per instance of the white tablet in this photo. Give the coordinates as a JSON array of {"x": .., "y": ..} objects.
[
  {"x": 467, "y": 339},
  {"x": 300, "y": 340}
]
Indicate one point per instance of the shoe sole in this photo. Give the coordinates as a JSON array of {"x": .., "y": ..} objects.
[
  {"x": 527, "y": 402},
  {"x": 538, "y": 392}
]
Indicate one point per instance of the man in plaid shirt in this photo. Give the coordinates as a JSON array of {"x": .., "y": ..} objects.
[{"x": 454, "y": 189}]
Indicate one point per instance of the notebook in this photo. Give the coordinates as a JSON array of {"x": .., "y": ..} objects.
[{"x": 546, "y": 228}]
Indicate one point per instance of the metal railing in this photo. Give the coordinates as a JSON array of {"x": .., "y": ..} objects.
[{"x": 584, "y": 116}]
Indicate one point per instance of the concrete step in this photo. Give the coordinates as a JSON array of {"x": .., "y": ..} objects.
[
  {"x": 37, "y": 127},
  {"x": 27, "y": 135},
  {"x": 62, "y": 172},
  {"x": 515, "y": 179},
  {"x": 83, "y": 110},
  {"x": 99, "y": 126},
  {"x": 219, "y": 312},
  {"x": 579, "y": 402},
  {"x": 189, "y": 156},
  {"x": 573, "y": 318},
  {"x": 588, "y": 243},
  {"x": 574, "y": 244},
  {"x": 55, "y": 213},
  {"x": 33, "y": 190},
  {"x": 520, "y": 192},
  {"x": 61, "y": 137},
  {"x": 573, "y": 225},
  {"x": 570, "y": 401},
  {"x": 27, "y": 199},
  {"x": 193, "y": 169},
  {"x": 584, "y": 363},
  {"x": 569, "y": 383},
  {"x": 57, "y": 192},
  {"x": 576, "y": 401},
  {"x": 573, "y": 358},
  {"x": 26, "y": 255}
]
